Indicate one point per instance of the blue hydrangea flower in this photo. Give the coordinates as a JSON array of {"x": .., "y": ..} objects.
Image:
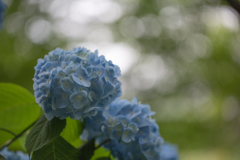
[
  {"x": 10, "y": 155},
  {"x": 76, "y": 83},
  {"x": 169, "y": 152},
  {"x": 2, "y": 9},
  {"x": 133, "y": 134}
]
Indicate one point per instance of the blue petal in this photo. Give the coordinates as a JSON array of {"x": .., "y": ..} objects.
[
  {"x": 145, "y": 143},
  {"x": 78, "y": 88},
  {"x": 38, "y": 100},
  {"x": 127, "y": 134},
  {"x": 44, "y": 74},
  {"x": 124, "y": 120},
  {"x": 96, "y": 87},
  {"x": 130, "y": 110},
  {"x": 134, "y": 127},
  {"x": 55, "y": 82},
  {"x": 47, "y": 108},
  {"x": 79, "y": 99},
  {"x": 141, "y": 120},
  {"x": 106, "y": 130},
  {"x": 81, "y": 52},
  {"x": 158, "y": 143},
  {"x": 116, "y": 106},
  {"x": 61, "y": 98},
  {"x": 44, "y": 88},
  {"x": 61, "y": 102},
  {"x": 100, "y": 71},
  {"x": 91, "y": 111},
  {"x": 74, "y": 58},
  {"x": 154, "y": 127},
  {"x": 117, "y": 132},
  {"x": 37, "y": 94},
  {"x": 91, "y": 72},
  {"x": 134, "y": 100},
  {"x": 108, "y": 88},
  {"x": 169, "y": 152},
  {"x": 35, "y": 85},
  {"x": 109, "y": 74},
  {"x": 60, "y": 73},
  {"x": 143, "y": 131},
  {"x": 111, "y": 121},
  {"x": 81, "y": 77},
  {"x": 53, "y": 73},
  {"x": 49, "y": 66},
  {"x": 66, "y": 84},
  {"x": 93, "y": 58},
  {"x": 71, "y": 68},
  {"x": 54, "y": 104},
  {"x": 117, "y": 71},
  {"x": 50, "y": 115},
  {"x": 146, "y": 109},
  {"x": 64, "y": 64},
  {"x": 151, "y": 154},
  {"x": 40, "y": 63}
]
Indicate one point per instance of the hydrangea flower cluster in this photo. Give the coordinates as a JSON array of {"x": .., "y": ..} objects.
[
  {"x": 133, "y": 134},
  {"x": 76, "y": 83},
  {"x": 80, "y": 84},
  {"x": 10, "y": 155},
  {"x": 2, "y": 9},
  {"x": 169, "y": 152}
]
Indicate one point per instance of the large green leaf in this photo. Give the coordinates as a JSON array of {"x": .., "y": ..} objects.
[
  {"x": 18, "y": 110},
  {"x": 43, "y": 132},
  {"x": 72, "y": 131},
  {"x": 58, "y": 149}
]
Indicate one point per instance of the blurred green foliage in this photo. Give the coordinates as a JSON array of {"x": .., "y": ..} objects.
[{"x": 187, "y": 66}]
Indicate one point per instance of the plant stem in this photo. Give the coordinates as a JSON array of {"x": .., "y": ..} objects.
[
  {"x": 102, "y": 143},
  {"x": 3, "y": 129},
  {"x": 17, "y": 136}
]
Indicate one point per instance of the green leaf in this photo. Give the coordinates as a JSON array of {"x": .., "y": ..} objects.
[
  {"x": 72, "y": 131},
  {"x": 101, "y": 152},
  {"x": 87, "y": 150},
  {"x": 2, "y": 158},
  {"x": 104, "y": 158},
  {"x": 43, "y": 132},
  {"x": 58, "y": 149},
  {"x": 18, "y": 110}
]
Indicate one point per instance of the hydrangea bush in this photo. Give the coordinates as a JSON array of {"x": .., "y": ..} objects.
[
  {"x": 133, "y": 134},
  {"x": 76, "y": 83},
  {"x": 82, "y": 86}
]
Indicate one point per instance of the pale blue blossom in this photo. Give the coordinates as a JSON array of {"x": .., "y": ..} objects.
[
  {"x": 76, "y": 83},
  {"x": 128, "y": 125}
]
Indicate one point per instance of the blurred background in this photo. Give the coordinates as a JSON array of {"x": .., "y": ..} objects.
[{"x": 180, "y": 56}]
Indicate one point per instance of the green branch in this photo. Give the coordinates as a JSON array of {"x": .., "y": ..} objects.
[
  {"x": 3, "y": 129},
  {"x": 102, "y": 143},
  {"x": 17, "y": 136}
]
